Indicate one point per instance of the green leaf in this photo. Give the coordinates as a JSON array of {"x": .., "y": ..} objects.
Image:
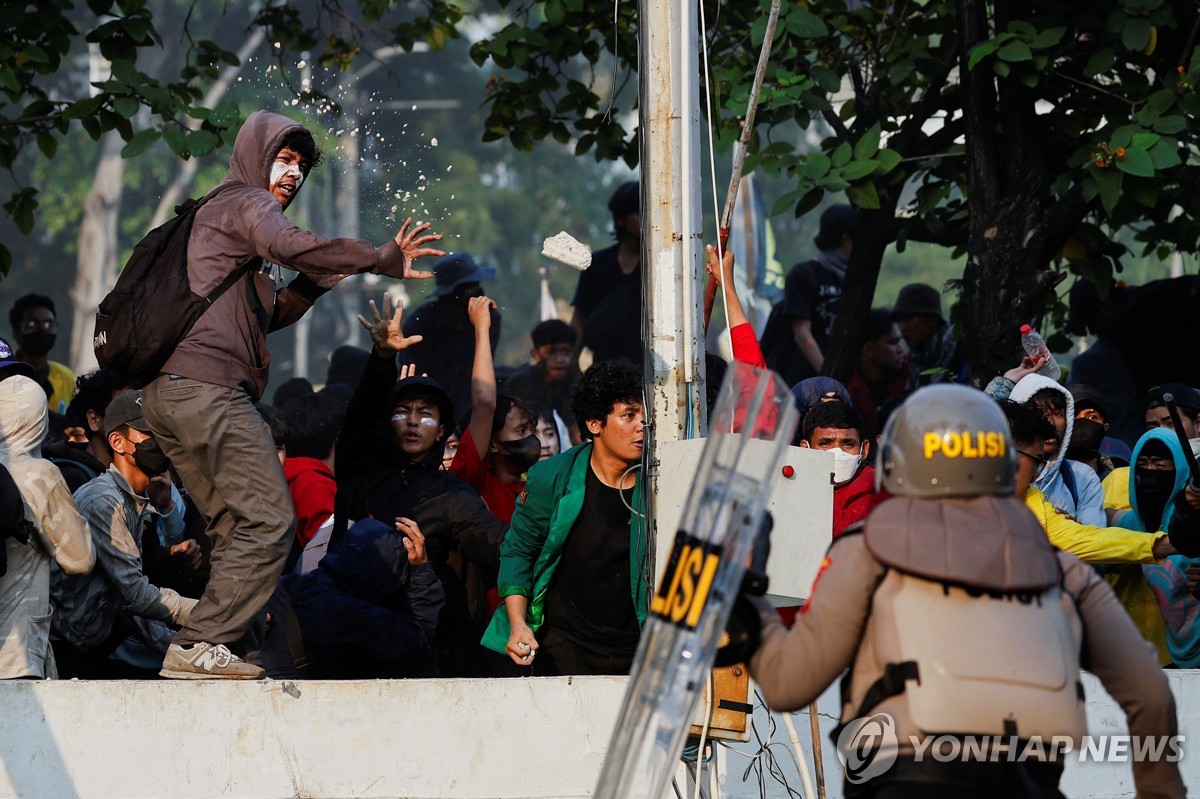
[
  {"x": 47, "y": 144},
  {"x": 1136, "y": 162},
  {"x": 173, "y": 136},
  {"x": 138, "y": 144},
  {"x": 816, "y": 165},
  {"x": 1015, "y": 51},
  {"x": 841, "y": 156},
  {"x": 1156, "y": 105},
  {"x": 1144, "y": 141},
  {"x": 857, "y": 170},
  {"x": 126, "y": 106},
  {"x": 980, "y": 52},
  {"x": 1136, "y": 34},
  {"x": 888, "y": 160},
  {"x": 786, "y": 201},
  {"x": 1102, "y": 61},
  {"x": 1001, "y": 68},
  {"x": 1108, "y": 181},
  {"x": 1165, "y": 155},
  {"x": 805, "y": 24},
  {"x": 201, "y": 142},
  {"x": 554, "y": 11},
  {"x": 864, "y": 196},
  {"x": 1170, "y": 125},
  {"x": 868, "y": 145},
  {"x": 1048, "y": 38}
]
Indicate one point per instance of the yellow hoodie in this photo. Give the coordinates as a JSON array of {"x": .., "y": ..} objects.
[{"x": 1094, "y": 545}]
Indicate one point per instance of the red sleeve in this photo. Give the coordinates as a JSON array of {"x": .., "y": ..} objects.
[
  {"x": 745, "y": 346},
  {"x": 313, "y": 496},
  {"x": 854, "y": 502},
  {"x": 467, "y": 463}
]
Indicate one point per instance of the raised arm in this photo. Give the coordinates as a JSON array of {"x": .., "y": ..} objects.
[{"x": 483, "y": 375}]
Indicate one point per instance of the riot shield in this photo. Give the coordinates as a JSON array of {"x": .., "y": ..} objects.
[{"x": 751, "y": 426}]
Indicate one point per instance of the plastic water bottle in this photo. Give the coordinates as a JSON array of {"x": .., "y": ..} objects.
[{"x": 1035, "y": 347}]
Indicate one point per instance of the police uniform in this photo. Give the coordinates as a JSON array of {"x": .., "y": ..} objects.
[{"x": 955, "y": 616}]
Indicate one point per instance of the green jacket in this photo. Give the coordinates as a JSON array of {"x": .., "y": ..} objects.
[{"x": 532, "y": 548}]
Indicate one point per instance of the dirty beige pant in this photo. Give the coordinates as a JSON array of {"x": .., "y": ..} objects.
[{"x": 223, "y": 451}]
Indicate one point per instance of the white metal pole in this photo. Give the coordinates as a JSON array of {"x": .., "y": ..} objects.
[{"x": 672, "y": 249}]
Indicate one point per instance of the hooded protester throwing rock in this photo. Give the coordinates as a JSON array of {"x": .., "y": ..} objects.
[{"x": 201, "y": 408}]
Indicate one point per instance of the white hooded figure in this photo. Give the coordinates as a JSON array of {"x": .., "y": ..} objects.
[
  {"x": 1070, "y": 486},
  {"x": 61, "y": 534}
]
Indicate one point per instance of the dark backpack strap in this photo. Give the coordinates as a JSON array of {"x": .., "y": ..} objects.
[
  {"x": 893, "y": 683},
  {"x": 237, "y": 274},
  {"x": 295, "y": 639}
]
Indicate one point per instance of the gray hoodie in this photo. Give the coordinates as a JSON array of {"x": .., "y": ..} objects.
[
  {"x": 62, "y": 534},
  {"x": 245, "y": 223}
]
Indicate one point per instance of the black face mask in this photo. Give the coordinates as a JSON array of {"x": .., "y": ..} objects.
[
  {"x": 1153, "y": 488},
  {"x": 39, "y": 342},
  {"x": 149, "y": 458},
  {"x": 1085, "y": 440},
  {"x": 521, "y": 453}
]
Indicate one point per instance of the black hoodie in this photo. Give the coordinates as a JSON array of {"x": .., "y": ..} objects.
[{"x": 462, "y": 537}]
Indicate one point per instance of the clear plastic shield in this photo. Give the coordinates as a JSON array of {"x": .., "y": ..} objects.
[{"x": 751, "y": 426}]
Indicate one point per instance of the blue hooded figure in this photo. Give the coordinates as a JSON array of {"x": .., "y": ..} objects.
[
  {"x": 1153, "y": 492},
  {"x": 365, "y": 612}
]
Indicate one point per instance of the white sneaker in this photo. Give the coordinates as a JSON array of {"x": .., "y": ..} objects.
[{"x": 203, "y": 661}]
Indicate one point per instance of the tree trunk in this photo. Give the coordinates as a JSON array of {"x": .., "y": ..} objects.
[
  {"x": 1015, "y": 227},
  {"x": 96, "y": 264},
  {"x": 875, "y": 231}
]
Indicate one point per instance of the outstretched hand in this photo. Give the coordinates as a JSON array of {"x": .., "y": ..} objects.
[
  {"x": 412, "y": 244},
  {"x": 386, "y": 331}
]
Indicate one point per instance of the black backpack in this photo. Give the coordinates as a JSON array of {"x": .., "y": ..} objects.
[{"x": 152, "y": 306}]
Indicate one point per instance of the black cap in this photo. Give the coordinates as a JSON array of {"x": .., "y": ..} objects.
[
  {"x": 125, "y": 410},
  {"x": 1087, "y": 397},
  {"x": 1185, "y": 396},
  {"x": 916, "y": 299},
  {"x": 453, "y": 270},
  {"x": 8, "y": 359}
]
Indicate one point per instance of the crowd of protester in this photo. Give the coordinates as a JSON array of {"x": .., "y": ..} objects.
[{"x": 425, "y": 512}]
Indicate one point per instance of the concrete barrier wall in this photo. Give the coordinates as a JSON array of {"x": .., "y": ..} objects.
[{"x": 425, "y": 739}]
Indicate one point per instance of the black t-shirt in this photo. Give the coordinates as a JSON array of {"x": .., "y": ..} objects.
[
  {"x": 612, "y": 303},
  {"x": 446, "y": 352},
  {"x": 814, "y": 291},
  {"x": 590, "y": 600}
]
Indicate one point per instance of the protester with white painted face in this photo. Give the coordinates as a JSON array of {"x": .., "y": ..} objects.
[
  {"x": 389, "y": 457},
  {"x": 956, "y": 618}
]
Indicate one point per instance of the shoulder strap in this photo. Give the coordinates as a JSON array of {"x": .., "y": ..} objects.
[
  {"x": 295, "y": 639},
  {"x": 193, "y": 205}
]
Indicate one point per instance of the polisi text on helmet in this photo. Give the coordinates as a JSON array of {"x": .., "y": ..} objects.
[{"x": 980, "y": 444}]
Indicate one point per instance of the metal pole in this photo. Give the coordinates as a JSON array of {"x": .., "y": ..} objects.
[{"x": 668, "y": 79}]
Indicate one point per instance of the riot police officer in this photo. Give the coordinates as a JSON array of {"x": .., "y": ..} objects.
[{"x": 958, "y": 621}]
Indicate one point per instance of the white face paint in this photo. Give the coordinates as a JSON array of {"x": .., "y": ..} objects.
[{"x": 280, "y": 170}]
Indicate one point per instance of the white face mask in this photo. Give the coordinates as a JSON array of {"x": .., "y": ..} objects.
[
  {"x": 279, "y": 170},
  {"x": 845, "y": 465}
]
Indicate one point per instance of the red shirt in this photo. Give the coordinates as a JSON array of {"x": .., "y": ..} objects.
[
  {"x": 313, "y": 489},
  {"x": 854, "y": 501},
  {"x": 500, "y": 497}
]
